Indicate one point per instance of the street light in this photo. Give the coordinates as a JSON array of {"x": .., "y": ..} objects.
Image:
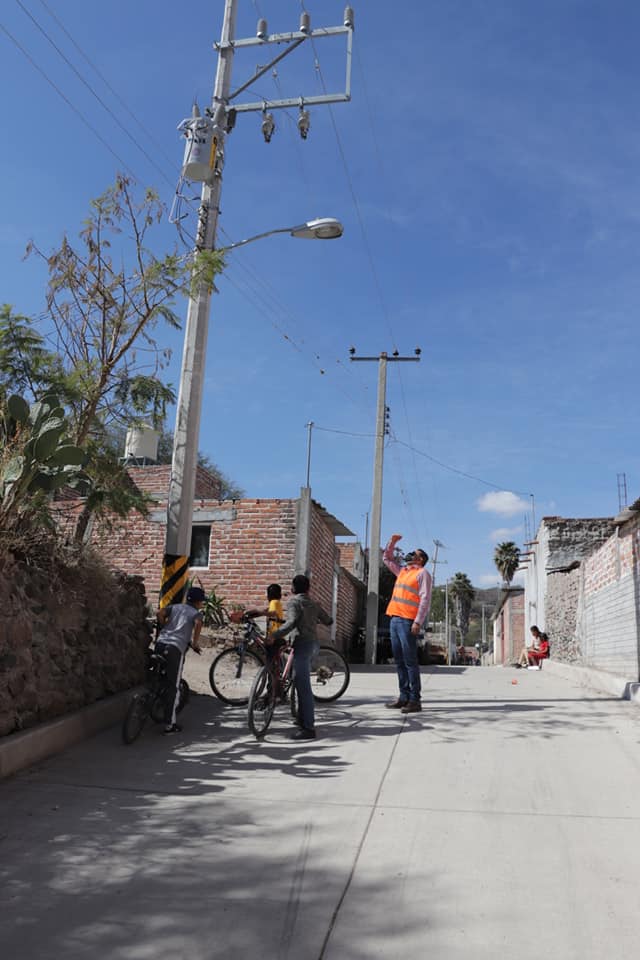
[
  {"x": 323, "y": 228},
  {"x": 185, "y": 441}
]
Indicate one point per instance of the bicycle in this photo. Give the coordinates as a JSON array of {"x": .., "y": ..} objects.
[
  {"x": 234, "y": 670},
  {"x": 273, "y": 684},
  {"x": 150, "y": 701}
]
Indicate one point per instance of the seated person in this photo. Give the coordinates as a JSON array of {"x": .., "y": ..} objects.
[
  {"x": 523, "y": 659},
  {"x": 540, "y": 651}
]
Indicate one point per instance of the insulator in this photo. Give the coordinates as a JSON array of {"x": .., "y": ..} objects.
[
  {"x": 348, "y": 17},
  {"x": 304, "y": 122},
  {"x": 268, "y": 126},
  {"x": 261, "y": 29},
  {"x": 305, "y": 23}
]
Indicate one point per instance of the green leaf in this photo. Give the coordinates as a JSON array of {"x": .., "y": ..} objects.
[
  {"x": 68, "y": 455},
  {"x": 18, "y": 408},
  {"x": 42, "y": 481},
  {"x": 46, "y": 442}
]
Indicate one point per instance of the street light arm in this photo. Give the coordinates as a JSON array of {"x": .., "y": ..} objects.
[
  {"x": 323, "y": 228},
  {"x": 258, "y": 236}
]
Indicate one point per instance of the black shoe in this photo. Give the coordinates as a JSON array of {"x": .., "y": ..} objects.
[
  {"x": 303, "y": 734},
  {"x": 396, "y": 705},
  {"x": 174, "y": 728},
  {"x": 414, "y": 706}
]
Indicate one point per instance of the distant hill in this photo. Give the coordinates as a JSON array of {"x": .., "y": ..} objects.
[{"x": 489, "y": 598}]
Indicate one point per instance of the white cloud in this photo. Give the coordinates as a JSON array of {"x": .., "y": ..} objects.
[
  {"x": 504, "y": 533},
  {"x": 495, "y": 580},
  {"x": 488, "y": 580},
  {"x": 502, "y": 502}
]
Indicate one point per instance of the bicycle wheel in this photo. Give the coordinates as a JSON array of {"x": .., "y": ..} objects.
[
  {"x": 135, "y": 718},
  {"x": 262, "y": 702},
  {"x": 293, "y": 702},
  {"x": 157, "y": 708},
  {"x": 183, "y": 695},
  {"x": 232, "y": 674},
  {"x": 330, "y": 675}
]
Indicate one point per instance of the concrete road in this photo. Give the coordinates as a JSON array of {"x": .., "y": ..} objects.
[{"x": 502, "y": 821}]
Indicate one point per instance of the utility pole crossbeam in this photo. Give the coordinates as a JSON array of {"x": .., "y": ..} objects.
[
  {"x": 373, "y": 582},
  {"x": 175, "y": 566}
]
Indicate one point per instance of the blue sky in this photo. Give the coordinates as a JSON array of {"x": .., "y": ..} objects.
[{"x": 487, "y": 174}]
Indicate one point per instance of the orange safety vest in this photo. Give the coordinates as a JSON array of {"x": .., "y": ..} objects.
[{"x": 405, "y": 598}]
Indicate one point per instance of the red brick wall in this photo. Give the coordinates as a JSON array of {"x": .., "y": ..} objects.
[
  {"x": 156, "y": 480},
  {"x": 509, "y": 637},
  {"x": 350, "y": 611},
  {"x": 253, "y": 550},
  {"x": 323, "y": 555},
  {"x": 252, "y": 545}
]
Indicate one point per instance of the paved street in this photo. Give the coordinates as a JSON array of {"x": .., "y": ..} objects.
[{"x": 502, "y": 821}]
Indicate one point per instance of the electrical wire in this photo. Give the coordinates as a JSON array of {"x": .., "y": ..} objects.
[
  {"x": 170, "y": 161},
  {"x": 359, "y": 217},
  {"x": 86, "y": 83},
  {"x": 469, "y": 476},
  {"x": 125, "y": 166},
  {"x": 369, "y": 253},
  {"x": 263, "y": 293}
]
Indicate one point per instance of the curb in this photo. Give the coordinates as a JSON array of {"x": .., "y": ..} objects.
[
  {"x": 21, "y": 750},
  {"x": 596, "y": 680}
]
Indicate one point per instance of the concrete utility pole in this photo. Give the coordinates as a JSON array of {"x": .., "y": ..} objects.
[
  {"x": 222, "y": 119},
  {"x": 446, "y": 618},
  {"x": 373, "y": 585},
  {"x": 438, "y": 544}
]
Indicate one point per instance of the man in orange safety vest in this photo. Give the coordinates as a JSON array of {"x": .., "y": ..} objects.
[{"x": 408, "y": 609}]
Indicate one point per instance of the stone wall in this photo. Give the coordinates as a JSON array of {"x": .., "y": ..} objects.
[
  {"x": 563, "y": 590},
  {"x": 67, "y": 638}
]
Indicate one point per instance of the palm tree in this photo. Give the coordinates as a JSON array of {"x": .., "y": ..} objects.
[
  {"x": 507, "y": 559},
  {"x": 462, "y": 592}
]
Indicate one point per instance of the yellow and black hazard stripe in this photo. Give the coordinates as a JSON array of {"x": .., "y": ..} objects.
[{"x": 174, "y": 579}]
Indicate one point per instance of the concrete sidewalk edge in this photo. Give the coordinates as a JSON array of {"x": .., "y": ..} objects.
[
  {"x": 596, "y": 680},
  {"x": 21, "y": 750}
]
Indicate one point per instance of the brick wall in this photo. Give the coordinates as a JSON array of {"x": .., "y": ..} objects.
[
  {"x": 155, "y": 480},
  {"x": 350, "y": 609},
  {"x": 509, "y": 628},
  {"x": 352, "y": 558},
  {"x": 323, "y": 560},
  {"x": 252, "y": 545},
  {"x": 608, "y": 611}
]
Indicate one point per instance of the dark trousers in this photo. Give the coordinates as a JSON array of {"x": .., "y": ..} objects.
[{"x": 174, "y": 658}]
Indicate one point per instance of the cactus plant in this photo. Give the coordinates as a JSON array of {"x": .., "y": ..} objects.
[{"x": 35, "y": 456}]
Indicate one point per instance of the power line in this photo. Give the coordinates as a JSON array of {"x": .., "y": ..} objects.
[
  {"x": 36, "y": 66},
  {"x": 461, "y": 473},
  {"x": 354, "y": 199},
  {"x": 102, "y": 77},
  {"x": 86, "y": 83}
]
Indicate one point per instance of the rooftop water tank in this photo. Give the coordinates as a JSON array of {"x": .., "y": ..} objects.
[{"x": 141, "y": 444}]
